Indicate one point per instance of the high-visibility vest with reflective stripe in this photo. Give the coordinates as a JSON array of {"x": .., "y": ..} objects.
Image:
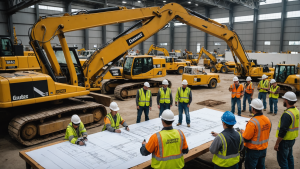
[
  {"x": 275, "y": 96},
  {"x": 293, "y": 130},
  {"x": 222, "y": 159},
  {"x": 165, "y": 97},
  {"x": 263, "y": 127},
  {"x": 236, "y": 92},
  {"x": 249, "y": 88},
  {"x": 71, "y": 132},
  {"x": 170, "y": 143},
  {"x": 144, "y": 100},
  {"x": 114, "y": 124},
  {"x": 183, "y": 95},
  {"x": 264, "y": 84}
]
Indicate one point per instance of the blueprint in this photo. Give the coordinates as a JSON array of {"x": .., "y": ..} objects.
[{"x": 122, "y": 150}]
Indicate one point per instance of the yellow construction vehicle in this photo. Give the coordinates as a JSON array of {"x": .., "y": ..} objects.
[
  {"x": 39, "y": 104},
  {"x": 173, "y": 65},
  {"x": 196, "y": 75}
]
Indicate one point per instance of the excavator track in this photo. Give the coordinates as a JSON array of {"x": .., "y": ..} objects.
[
  {"x": 39, "y": 116},
  {"x": 285, "y": 88},
  {"x": 121, "y": 91}
]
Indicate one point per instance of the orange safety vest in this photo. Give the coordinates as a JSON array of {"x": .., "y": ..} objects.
[
  {"x": 249, "y": 88},
  {"x": 236, "y": 92},
  {"x": 261, "y": 134}
]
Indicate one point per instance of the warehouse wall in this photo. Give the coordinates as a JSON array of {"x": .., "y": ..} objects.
[
  {"x": 197, "y": 36},
  {"x": 3, "y": 19},
  {"x": 180, "y": 37},
  {"x": 163, "y": 36}
]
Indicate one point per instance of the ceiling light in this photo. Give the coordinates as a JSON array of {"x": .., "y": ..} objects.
[
  {"x": 164, "y": 1},
  {"x": 139, "y": 1},
  {"x": 189, "y": 2},
  {"x": 196, "y": 4},
  {"x": 124, "y": 2}
]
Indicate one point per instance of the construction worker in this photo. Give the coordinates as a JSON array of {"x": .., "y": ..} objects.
[
  {"x": 164, "y": 97},
  {"x": 249, "y": 91},
  {"x": 237, "y": 91},
  {"x": 287, "y": 132},
  {"x": 114, "y": 119},
  {"x": 167, "y": 146},
  {"x": 184, "y": 97},
  {"x": 75, "y": 130},
  {"x": 256, "y": 137},
  {"x": 273, "y": 96},
  {"x": 263, "y": 88},
  {"x": 143, "y": 102},
  {"x": 227, "y": 144}
]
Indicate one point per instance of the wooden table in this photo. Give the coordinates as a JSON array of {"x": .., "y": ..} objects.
[{"x": 193, "y": 153}]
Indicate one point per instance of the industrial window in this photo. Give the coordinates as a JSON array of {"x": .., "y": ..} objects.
[
  {"x": 267, "y": 42},
  {"x": 95, "y": 46},
  {"x": 293, "y": 14},
  {"x": 294, "y": 42},
  {"x": 74, "y": 10},
  {"x": 163, "y": 44},
  {"x": 270, "y": 2},
  {"x": 269, "y": 16},
  {"x": 51, "y": 8},
  {"x": 179, "y": 24},
  {"x": 222, "y": 20},
  {"x": 294, "y": 52},
  {"x": 198, "y": 47},
  {"x": 217, "y": 43},
  {"x": 32, "y": 6},
  {"x": 292, "y": 0},
  {"x": 243, "y": 18}
]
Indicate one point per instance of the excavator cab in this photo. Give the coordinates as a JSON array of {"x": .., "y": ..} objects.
[
  {"x": 6, "y": 47},
  {"x": 282, "y": 72}
]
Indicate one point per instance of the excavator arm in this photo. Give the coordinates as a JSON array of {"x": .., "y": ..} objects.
[
  {"x": 158, "y": 48},
  {"x": 152, "y": 19},
  {"x": 211, "y": 57}
]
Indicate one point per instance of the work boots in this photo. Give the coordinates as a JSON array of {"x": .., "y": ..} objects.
[
  {"x": 189, "y": 125},
  {"x": 178, "y": 124}
]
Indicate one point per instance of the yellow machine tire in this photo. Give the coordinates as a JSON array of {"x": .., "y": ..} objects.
[
  {"x": 180, "y": 70},
  {"x": 213, "y": 83},
  {"x": 213, "y": 69},
  {"x": 224, "y": 69}
]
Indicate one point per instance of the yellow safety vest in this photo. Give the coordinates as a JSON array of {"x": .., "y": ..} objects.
[
  {"x": 183, "y": 96},
  {"x": 275, "y": 96},
  {"x": 144, "y": 100},
  {"x": 71, "y": 133},
  {"x": 165, "y": 97},
  {"x": 221, "y": 159},
  {"x": 113, "y": 124},
  {"x": 292, "y": 133},
  {"x": 263, "y": 85},
  {"x": 170, "y": 143}
]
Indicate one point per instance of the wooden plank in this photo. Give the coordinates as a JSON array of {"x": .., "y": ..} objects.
[{"x": 101, "y": 98}]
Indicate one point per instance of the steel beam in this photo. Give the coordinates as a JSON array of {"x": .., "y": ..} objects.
[
  {"x": 255, "y": 20},
  {"x": 121, "y": 27},
  {"x": 172, "y": 32},
  {"x": 155, "y": 42},
  {"x": 103, "y": 29},
  {"x": 188, "y": 37},
  {"x": 86, "y": 39},
  {"x": 37, "y": 12},
  {"x": 68, "y": 6},
  {"x": 230, "y": 20},
  {"x": 10, "y": 27},
  {"x": 206, "y": 35},
  {"x": 283, "y": 16},
  {"x": 15, "y": 6}
]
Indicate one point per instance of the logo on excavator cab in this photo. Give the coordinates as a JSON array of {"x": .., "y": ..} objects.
[
  {"x": 31, "y": 54},
  {"x": 10, "y": 62},
  {"x": 135, "y": 38},
  {"x": 22, "y": 97},
  {"x": 61, "y": 91}
]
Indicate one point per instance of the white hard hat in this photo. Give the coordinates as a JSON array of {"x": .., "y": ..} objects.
[
  {"x": 291, "y": 96},
  {"x": 114, "y": 106},
  {"x": 75, "y": 119},
  {"x": 235, "y": 79},
  {"x": 248, "y": 78},
  {"x": 264, "y": 76},
  {"x": 257, "y": 104},
  {"x": 184, "y": 82},
  {"x": 146, "y": 84},
  {"x": 167, "y": 115},
  {"x": 165, "y": 82},
  {"x": 273, "y": 81}
]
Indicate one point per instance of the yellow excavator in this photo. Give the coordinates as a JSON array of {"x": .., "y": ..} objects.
[
  {"x": 40, "y": 104},
  {"x": 214, "y": 65},
  {"x": 173, "y": 64},
  {"x": 14, "y": 58}
]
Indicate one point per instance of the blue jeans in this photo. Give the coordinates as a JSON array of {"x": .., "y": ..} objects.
[
  {"x": 263, "y": 95},
  {"x": 271, "y": 102},
  {"x": 140, "y": 112},
  {"x": 181, "y": 107},
  {"x": 248, "y": 97},
  {"x": 163, "y": 106},
  {"x": 255, "y": 159},
  {"x": 285, "y": 154},
  {"x": 238, "y": 102},
  {"x": 236, "y": 166}
]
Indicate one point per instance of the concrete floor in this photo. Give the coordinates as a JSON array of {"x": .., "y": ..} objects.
[{"x": 9, "y": 149}]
